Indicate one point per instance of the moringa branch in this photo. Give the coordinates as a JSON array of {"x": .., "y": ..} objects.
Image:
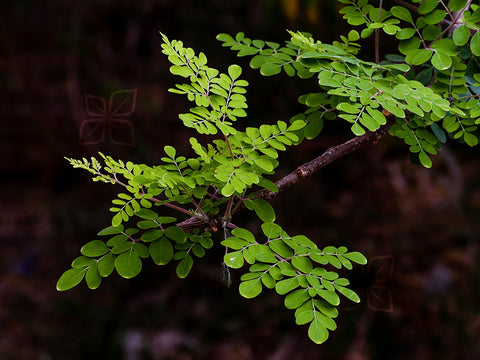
[{"x": 333, "y": 153}]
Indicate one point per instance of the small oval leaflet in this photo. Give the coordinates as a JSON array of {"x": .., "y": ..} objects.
[
  {"x": 94, "y": 248},
  {"x": 128, "y": 264},
  {"x": 184, "y": 266},
  {"x": 70, "y": 279},
  {"x": 251, "y": 288}
]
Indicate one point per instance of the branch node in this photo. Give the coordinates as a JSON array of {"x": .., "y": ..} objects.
[{"x": 302, "y": 172}]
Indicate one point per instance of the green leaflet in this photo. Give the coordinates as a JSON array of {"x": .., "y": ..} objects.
[
  {"x": 251, "y": 288},
  {"x": 128, "y": 264},
  {"x": 70, "y": 279},
  {"x": 234, "y": 259},
  {"x": 106, "y": 265},
  {"x": 184, "y": 266},
  {"x": 161, "y": 251},
  {"x": 262, "y": 208},
  {"x": 94, "y": 248},
  {"x": 317, "y": 331},
  {"x": 92, "y": 276}
]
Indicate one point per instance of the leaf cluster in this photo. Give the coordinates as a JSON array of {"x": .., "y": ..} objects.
[
  {"x": 431, "y": 87},
  {"x": 295, "y": 268},
  {"x": 427, "y": 93}
]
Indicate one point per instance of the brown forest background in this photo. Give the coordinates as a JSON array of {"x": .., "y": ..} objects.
[{"x": 418, "y": 227}]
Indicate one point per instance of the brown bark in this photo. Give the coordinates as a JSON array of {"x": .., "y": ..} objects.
[{"x": 331, "y": 154}]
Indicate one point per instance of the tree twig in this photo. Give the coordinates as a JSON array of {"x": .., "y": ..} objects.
[{"x": 333, "y": 153}]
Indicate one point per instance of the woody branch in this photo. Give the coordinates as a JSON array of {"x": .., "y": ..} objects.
[{"x": 331, "y": 154}]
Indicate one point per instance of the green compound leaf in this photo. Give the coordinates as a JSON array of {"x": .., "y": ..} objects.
[
  {"x": 70, "y": 278},
  {"x": 128, "y": 264},
  {"x": 94, "y": 248},
  {"x": 317, "y": 332},
  {"x": 251, "y": 288},
  {"x": 184, "y": 266}
]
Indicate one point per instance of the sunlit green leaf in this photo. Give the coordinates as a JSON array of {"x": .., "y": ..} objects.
[
  {"x": 349, "y": 294},
  {"x": 128, "y": 264},
  {"x": 94, "y": 248},
  {"x": 475, "y": 44},
  {"x": 106, "y": 264},
  {"x": 329, "y": 296},
  {"x": 456, "y": 5},
  {"x": 262, "y": 208},
  {"x": 234, "y": 71},
  {"x": 70, "y": 278},
  {"x": 357, "y": 257},
  {"x": 317, "y": 331},
  {"x": 461, "y": 35},
  {"x": 92, "y": 276},
  {"x": 184, "y": 266},
  {"x": 441, "y": 61},
  {"x": 302, "y": 263},
  {"x": 424, "y": 159},
  {"x": 296, "y": 298},
  {"x": 251, "y": 288},
  {"x": 234, "y": 259},
  {"x": 82, "y": 261},
  {"x": 401, "y": 13}
]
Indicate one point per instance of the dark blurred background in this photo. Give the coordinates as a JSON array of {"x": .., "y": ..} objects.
[{"x": 418, "y": 227}]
